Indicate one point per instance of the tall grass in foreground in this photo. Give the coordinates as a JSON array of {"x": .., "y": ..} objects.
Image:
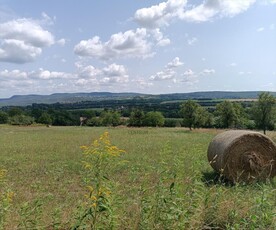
[{"x": 164, "y": 181}]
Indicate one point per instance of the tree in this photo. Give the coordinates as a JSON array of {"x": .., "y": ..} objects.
[
  {"x": 15, "y": 111},
  {"x": 3, "y": 117},
  {"x": 229, "y": 114},
  {"x": 110, "y": 118},
  {"x": 264, "y": 111},
  {"x": 45, "y": 118},
  {"x": 154, "y": 119},
  {"x": 203, "y": 118},
  {"x": 136, "y": 118},
  {"x": 194, "y": 115}
]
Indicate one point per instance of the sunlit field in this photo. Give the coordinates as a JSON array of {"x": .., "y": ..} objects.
[{"x": 162, "y": 181}]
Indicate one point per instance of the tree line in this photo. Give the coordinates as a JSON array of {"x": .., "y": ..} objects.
[{"x": 226, "y": 114}]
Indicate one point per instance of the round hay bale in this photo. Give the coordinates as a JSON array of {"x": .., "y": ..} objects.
[{"x": 243, "y": 156}]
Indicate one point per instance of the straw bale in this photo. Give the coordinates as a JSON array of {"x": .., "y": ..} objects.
[{"x": 243, "y": 156}]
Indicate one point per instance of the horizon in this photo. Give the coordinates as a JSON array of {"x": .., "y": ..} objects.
[
  {"x": 156, "y": 47},
  {"x": 157, "y": 94}
]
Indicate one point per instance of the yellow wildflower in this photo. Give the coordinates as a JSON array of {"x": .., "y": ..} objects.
[
  {"x": 93, "y": 198},
  {"x": 90, "y": 188},
  {"x": 10, "y": 196}
]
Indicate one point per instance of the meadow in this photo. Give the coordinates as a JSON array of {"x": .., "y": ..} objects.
[{"x": 162, "y": 180}]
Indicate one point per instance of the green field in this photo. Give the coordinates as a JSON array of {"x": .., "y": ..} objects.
[{"x": 163, "y": 181}]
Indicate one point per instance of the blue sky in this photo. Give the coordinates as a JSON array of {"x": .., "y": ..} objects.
[{"x": 137, "y": 46}]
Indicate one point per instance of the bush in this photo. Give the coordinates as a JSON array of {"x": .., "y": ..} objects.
[
  {"x": 94, "y": 121},
  {"x": 21, "y": 120},
  {"x": 154, "y": 119},
  {"x": 172, "y": 122}
]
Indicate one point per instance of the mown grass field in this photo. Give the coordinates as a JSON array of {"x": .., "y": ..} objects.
[{"x": 163, "y": 181}]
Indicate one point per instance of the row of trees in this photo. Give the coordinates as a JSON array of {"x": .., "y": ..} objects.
[
  {"x": 231, "y": 114},
  {"x": 226, "y": 114}
]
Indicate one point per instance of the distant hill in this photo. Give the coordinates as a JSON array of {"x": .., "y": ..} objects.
[{"x": 23, "y": 100}]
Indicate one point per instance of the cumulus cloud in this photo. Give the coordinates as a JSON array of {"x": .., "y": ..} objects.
[
  {"x": 89, "y": 71},
  {"x": 168, "y": 72},
  {"x": 159, "y": 15},
  {"x": 47, "y": 75},
  {"x": 12, "y": 75},
  {"x": 61, "y": 42},
  {"x": 115, "y": 74},
  {"x": 110, "y": 74},
  {"x": 86, "y": 77},
  {"x": 162, "y": 14},
  {"x": 175, "y": 63},
  {"x": 22, "y": 40},
  {"x": 211, "y": 8},
  {"x": 132, "y": 43},
  {"x": 189, "y": 72},
  {"x": 159, "y": 37},
  {"x": 17, "y": 51},
  {"x": 40, "y": 74}
]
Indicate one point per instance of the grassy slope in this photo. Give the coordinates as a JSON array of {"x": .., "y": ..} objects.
[{"x": 45, "y": 164}]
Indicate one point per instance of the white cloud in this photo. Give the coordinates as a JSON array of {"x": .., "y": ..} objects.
[
  {"x": 61, "y": 42},
  {"x": 192, "y": 41},
  {"x": 159, "y": 37},
  {"x": 111, "y": 74},
  {"x": 88, "y": 72},
  {"x": 46, "y": 19},
  {"x": 233, "y": 64},
  {"x": 260, "y": 29},
  {"x": 221, "y": 8},
  {"x": 272, "y": 26},
  {"x": 245, "y": 73},
  {"x": 188, "y": 72},
  {"x": 142, "y": 83},
  {"x": 23, "y": 40},
  {"x": 128, "y": 44},
  {"x": 26, "y": 30},
  {"x": 40, "y": 74},
  {"x": 168, "y": 73},
  {"x": 12, "y": 75},
  {"x": 17, "y": 51},
  {"x": 85, "y": 78},
  {"x": 189, "y": 77},
  {"x": 47, "y": 75},
  {"x": 208, "y": 71},
  {"x": 115, "y": 74},
  {"x": 267, "y": 2},
  {"x": 175, "y": 63},
  {"x": 159, "y": 15}
]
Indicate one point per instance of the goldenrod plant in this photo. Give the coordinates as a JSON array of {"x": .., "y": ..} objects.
[{"x": 98, "y": 157}]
